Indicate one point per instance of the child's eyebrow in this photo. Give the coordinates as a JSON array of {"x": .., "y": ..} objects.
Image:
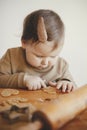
[
  {"x": 53, "y": 56},
  {"x": 39, "y": 55}
]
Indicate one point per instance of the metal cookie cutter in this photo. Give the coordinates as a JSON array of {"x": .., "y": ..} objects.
[{"x": 15, "y": 114}]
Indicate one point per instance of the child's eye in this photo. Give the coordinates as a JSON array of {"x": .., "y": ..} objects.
[
  {"x": 39, "y": 56},
  {"x": 53, "y": 56}
]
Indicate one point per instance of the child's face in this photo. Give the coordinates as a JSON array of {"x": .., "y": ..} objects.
[{"x": 41, "y": 55}]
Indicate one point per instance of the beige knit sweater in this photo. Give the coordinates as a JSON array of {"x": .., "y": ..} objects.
[{"x": 13, "y": 66}]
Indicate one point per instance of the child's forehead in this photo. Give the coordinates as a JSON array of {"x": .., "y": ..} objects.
[{"x": 46, "y": 48}]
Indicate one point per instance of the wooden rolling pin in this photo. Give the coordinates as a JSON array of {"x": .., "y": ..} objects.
[{"x": 66, "y": 107}]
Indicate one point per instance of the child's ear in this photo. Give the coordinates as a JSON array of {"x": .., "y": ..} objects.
[{"x": 23, "y": 42}]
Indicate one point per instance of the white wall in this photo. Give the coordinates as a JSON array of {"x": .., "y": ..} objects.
[{"x": 72, "y": 12}]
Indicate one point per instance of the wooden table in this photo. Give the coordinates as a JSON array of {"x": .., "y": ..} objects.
[
  {"x": 41, "y": 99},
  {"x": 78, "y": 123}
]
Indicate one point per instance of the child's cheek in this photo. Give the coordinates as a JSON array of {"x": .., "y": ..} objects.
[
  {"x": 37, "y": 61},
  {"x": 53, "y": 61}
]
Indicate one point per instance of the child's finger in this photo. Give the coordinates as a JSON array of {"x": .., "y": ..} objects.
[
  {"x": 29, "y": 87},
  {"x": 52, "y": 83},
  {"x": 64, "y": 87},
  {"x": 39, "y": 86},
  {"x": 69, "y": 87},
  {"x": 43, "y": 84},
  {"x": 34, "y": 88},
  {"x": 59, "y": 85}
]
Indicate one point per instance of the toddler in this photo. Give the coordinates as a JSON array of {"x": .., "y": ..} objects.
[{"x": 37, "y": 63}]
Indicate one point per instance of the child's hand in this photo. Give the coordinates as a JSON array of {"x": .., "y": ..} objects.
[
  {"x": 65, "y": 86},
  {"x": 33, "y": 82}
]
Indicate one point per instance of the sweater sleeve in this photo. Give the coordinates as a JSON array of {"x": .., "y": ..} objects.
[
  {"x": 7, "y": 78},
  {"x": 66, "y": 73}
]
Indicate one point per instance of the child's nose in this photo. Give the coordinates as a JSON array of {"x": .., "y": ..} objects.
[{"x": 44, "y": 61}]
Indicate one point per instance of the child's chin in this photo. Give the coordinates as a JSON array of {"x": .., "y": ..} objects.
[{"x": 41, "y": 67}]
